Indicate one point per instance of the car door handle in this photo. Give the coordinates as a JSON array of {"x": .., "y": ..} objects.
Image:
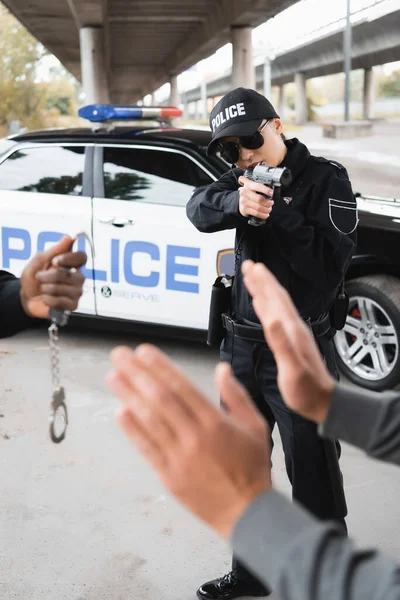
[{"x": 117, "y": 221}]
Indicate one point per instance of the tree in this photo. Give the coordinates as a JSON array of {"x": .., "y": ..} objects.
[
  {"x": 389, "y": 85},
  {"x": 61, "y": 94},
  {"x": 20, "y": 97}
]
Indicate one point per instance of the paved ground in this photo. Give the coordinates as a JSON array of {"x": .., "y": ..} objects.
[
  {"x": 87, "y": 520},
  {"x": 373, "y": 162}
]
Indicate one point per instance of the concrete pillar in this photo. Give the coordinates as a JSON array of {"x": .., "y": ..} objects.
[
  {"x": 94, "y": 72},
  {"x": 185, "y": 103},
  {"x": 186, "y": 110},
  {"x": 174, "y": 93},
  {"x": 369, "y": 94},
  {"x": 281, "y": 101},
  {"x": 243, "y": 71},
  {"x": 267, "y": 78},
  {"x": 300, "y": 99},
  {"x": 148, "y": 100},
  {"x": 203, "y": 102}
]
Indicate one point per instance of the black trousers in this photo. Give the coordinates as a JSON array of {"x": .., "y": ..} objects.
[{"x": 311, "y": 462}]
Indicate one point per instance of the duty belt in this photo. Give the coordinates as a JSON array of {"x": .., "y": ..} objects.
[{"x": 254, "y": 332}]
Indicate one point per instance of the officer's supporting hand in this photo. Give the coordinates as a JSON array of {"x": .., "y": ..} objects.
[
  {"x": 214, "y": 462},
  {"x": 303, "y": 379},
  {"x": 251, "y": 202},
  {"x": 47, "y": 283}
]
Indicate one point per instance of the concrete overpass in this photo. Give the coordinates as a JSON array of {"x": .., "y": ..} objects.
[
  {"x": 122, "y": 50},
  {"x": 374, "y": 43}
]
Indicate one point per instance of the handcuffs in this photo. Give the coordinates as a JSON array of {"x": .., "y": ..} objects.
[{"x": 58, "y": 417}]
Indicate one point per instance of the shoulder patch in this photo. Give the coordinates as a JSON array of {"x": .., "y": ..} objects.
[{"x": 343, "y": 215}]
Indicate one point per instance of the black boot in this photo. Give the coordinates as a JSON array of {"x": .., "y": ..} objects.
[{"x": 229, "y": 587}]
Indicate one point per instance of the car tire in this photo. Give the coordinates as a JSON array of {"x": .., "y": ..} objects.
[{"x": 368, "y": 347}]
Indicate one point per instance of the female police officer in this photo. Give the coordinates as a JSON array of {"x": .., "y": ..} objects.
[{"x": 307, "y": 241}]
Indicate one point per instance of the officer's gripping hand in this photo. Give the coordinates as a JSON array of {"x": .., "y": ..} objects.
[
  {"x": 251, "y": 201},
  {"x": 303, "y": 379},
  {"x": 214, "y": 462},
  {"x": 47, "y": 281}
]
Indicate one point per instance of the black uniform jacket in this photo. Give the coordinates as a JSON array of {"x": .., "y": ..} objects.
[
  {"x": 12, "y": 316},
  {"x": 308, "y": 240}
]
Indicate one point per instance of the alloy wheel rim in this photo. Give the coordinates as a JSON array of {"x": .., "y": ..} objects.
[{"x": 368, "y": 344}]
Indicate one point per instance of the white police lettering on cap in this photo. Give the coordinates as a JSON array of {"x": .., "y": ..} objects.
[{"x": 235, "y": 110}]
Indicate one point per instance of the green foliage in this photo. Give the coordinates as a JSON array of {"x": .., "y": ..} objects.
[
  {"x": 60, "y": 103},
  {"x": 290, "y": 96},
  {"x": 389, "y": 86},
  {"x": 22, "y": 96},
  {"x": 61, "y": 94}
]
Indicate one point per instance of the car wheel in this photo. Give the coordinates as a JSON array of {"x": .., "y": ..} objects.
[{"x": 368, "y": 347}]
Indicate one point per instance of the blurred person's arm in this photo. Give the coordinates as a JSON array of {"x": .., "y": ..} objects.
[
  {"x": 52, "y": 279},
  {"x": 368, "y": 420},
  {"x": 303, "y": 559},
  {"x": 13, "y": 318}
]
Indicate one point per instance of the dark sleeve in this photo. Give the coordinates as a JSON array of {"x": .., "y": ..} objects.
[
  {"x": 13, "y": 318},
  {"x": 217, "y": 206},
  {"x": 368, "y": 420},
  {"x": 320, "y": 243},
  {"x": 303, "y": 559}
]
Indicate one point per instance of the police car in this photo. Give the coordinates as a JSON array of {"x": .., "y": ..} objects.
[{"x": 127, "y": 186}]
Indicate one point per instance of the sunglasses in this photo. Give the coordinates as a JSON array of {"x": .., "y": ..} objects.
[{"x": 230, "y": 151}]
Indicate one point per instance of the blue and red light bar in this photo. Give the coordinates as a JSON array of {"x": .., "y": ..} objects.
[{"x": 112, "y": 112}]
